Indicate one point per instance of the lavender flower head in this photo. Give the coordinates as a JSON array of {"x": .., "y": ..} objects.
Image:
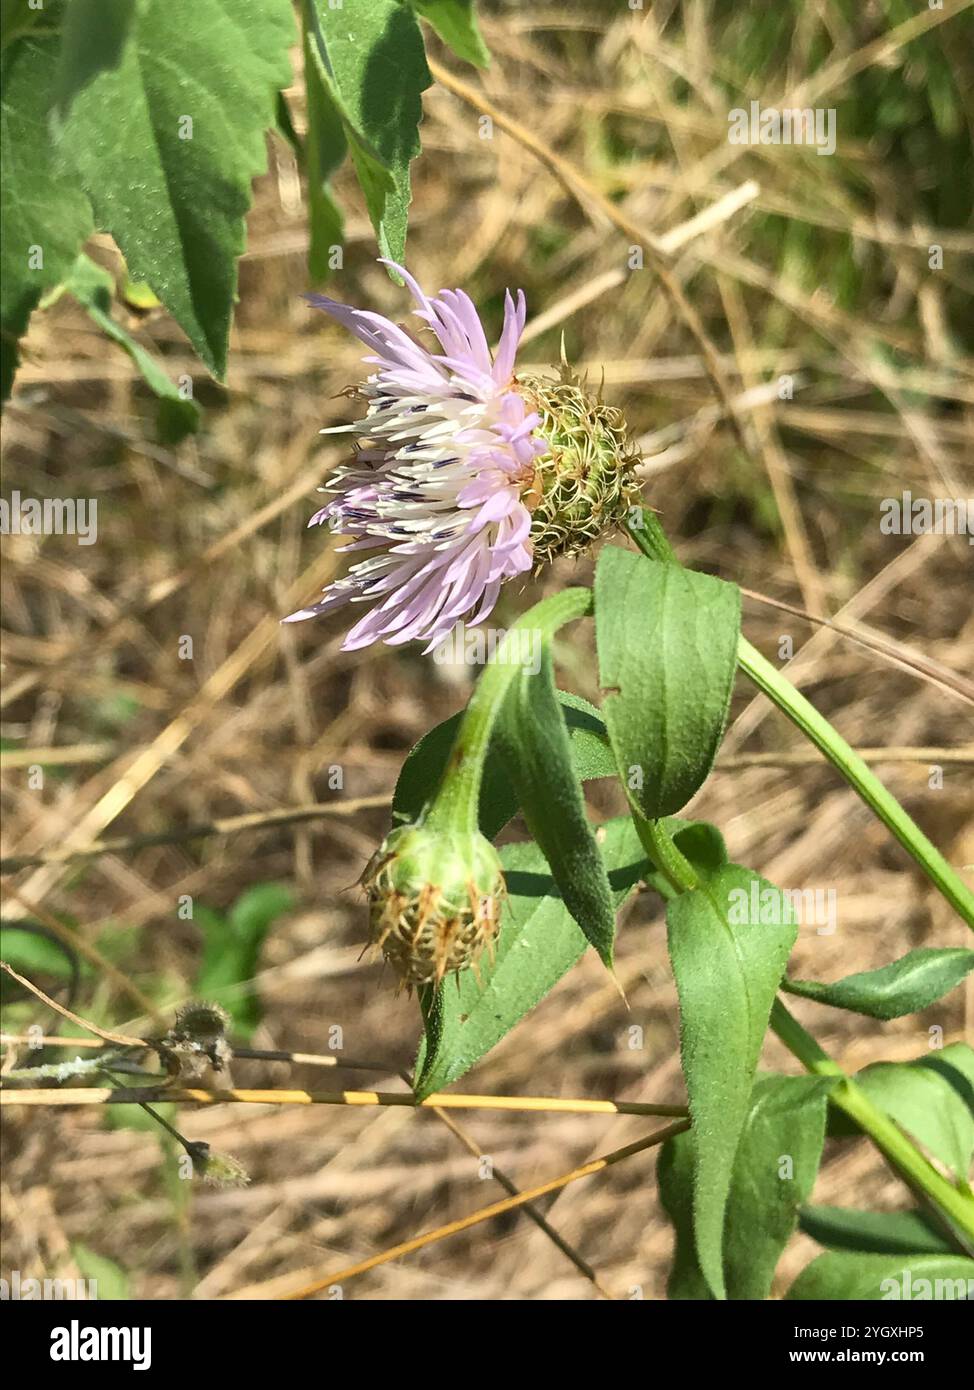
[{"x": 464, "y": 476}]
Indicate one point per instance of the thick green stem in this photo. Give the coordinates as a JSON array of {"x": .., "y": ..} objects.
[
  {"x": 457, "y": 801},
  {"x": 651, "y": 541},
  {"x": 887, "y": 1137},
  {"x": 675, "y": 867}
]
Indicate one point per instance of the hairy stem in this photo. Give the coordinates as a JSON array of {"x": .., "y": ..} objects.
[{"x": 457, "y": 800}]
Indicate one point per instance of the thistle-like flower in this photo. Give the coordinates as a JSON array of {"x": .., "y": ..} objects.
[
  {"x": 435, "y": 894},
  {"x": 464, "y": 475}
]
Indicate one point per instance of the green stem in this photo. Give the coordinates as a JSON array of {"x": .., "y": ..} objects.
[
  {"x": 652, "y": 542},
  {"x": 820, "y": 732},
  {"x": 675, "y": 867},
  {"x": 457, "y": 800},
  {"x": 888, "y": 1137}
]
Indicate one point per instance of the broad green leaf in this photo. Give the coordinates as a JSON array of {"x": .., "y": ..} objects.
[
  {"x": 93, "y": 41},
  {"x": 231, "y": 950},
  {"x": 915, "y": 1278},
  {"x": 111, "y": 1280},
  {"x": 325, "y": 149},
  {"x": 698, "y": 841},
  {"x": 534, "y": 743},
  {"x": 727, "y": 971},
  {"x": 167, "y": 141},
  {"x": 375, "y": 64},
  {"x": 46, "y": 216},
  {"x": 932, "y": 1098},
  {"x": 421, "y": 772},
  {"x": 537, "y": 943},
  {"x": 456, "y": 24},
  {"x": 774, "y": 1172},
  {"x": 873, "y": 1232},
  {"x": 667, "y": 645},
  {"x": 911, "y": 983},
  {"x": 94, "y": 287}
]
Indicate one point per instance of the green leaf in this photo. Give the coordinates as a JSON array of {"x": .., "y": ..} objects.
[
  {"x": 94, "y": 287},
  {"x": 865, "y": 1277},
  {"x": 932, "y": 1098},
  {"x": 325, "y": 149},
  {"x": 534, "y": 743},
  {"x": 46, "y": 216},
  {"x": 667, "y": 645},
  {"x": 456, "y": 24},
  {"x": 32, "y": 950},
  {"x": 907, "y": 985},
  {"x": 231, "y": 950},
  {"x": 537, "y": 944},
  {"x": 774, "y": 1172},
  {"x": 93, "y": 41},
  {"x": 167, "y": 139},
  {"x": 727, "y": 972},
  {"x": 421, "y": 772},
  {"x": 110, "y": 1278},
  {"x": 374, "y": 64},
  {"x": 876, "y": 1232}
]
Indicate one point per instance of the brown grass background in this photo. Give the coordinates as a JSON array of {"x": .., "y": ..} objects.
[{"x": 209, "y": 540}]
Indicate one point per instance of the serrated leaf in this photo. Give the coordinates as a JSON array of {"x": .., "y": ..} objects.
[
  {"x": 537, "y": 943},
  {"x": 774, "y": 1171},
  {"x": 863, "y": 1277},
  {"x": 907, "y": 985},
  {"x": 167, "y": 141},
  {"x": 667, "y": 646},
  {"x": 873, "y": 1232},
  {"x": 727, "y": 972},
  {"x": 533, "y": 742},
  {"x": 375, "y": 64},
  {"x": 456, "y": 24},
  {"x": 94, "y": 287},
  {"x": 46, "y": 216}
]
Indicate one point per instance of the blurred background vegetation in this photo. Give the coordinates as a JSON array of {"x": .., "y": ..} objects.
[{"x": 825, "y": 275}]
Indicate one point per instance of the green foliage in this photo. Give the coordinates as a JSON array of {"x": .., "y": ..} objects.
[
  {"x": 537, "y": 751},
  {"x": 45, "y": 213},
  {"x": 726, "y": 978},
  {"x": 456, "y": 24},
  {"x": 539, "y": 941},
  {"x": 94, "y": 288},
  {"x": 373, "y": 68},
  {"x": 424, "y": 766},
  {"x": 909, "y": 984},
  {"x": 165, "y": 126},
  {"x": 836, "y": 1275},
  {"x": 231, "y": 949},
  {"x": 873, "y": 1232},
  {"x": 932, "y": 1098},
  {"x": 667, "y": 644},
  {"x": 111, "y": 1279},
  {"x": 773, "y": 1173}
]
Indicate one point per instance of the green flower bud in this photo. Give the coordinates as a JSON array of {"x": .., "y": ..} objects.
[
  {"x": 434, "y": 896},
  {"x": 586, "y": 482}
]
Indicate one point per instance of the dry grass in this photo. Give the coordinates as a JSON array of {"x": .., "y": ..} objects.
[{"x": 209, "y": 541}]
